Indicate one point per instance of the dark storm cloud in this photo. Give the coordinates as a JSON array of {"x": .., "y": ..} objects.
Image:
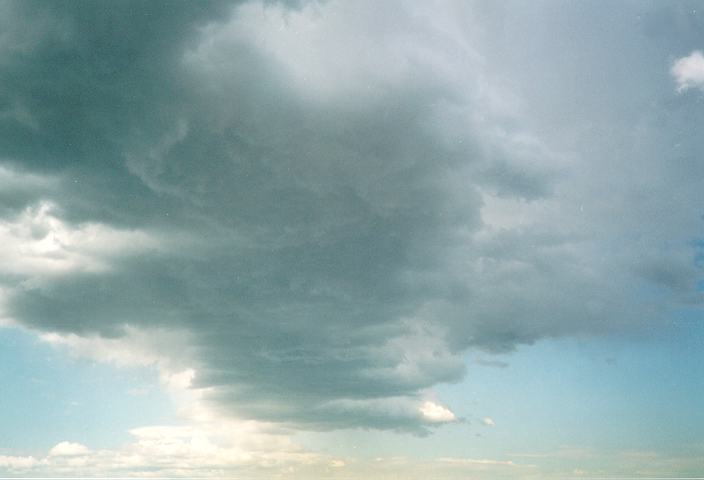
[
  {"x": 84, "y": 75},
  {"x": 326, "y": 182}
]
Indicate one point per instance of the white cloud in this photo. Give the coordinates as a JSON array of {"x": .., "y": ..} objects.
[
  {"x": 233, "y": 449},
  {"x": 14, "y": 463},
  {"x": 143, "y": 347},
  {"x": 213, "y": 449},
  {"x": 68, "y": 449},
  {"x": 488, "y": 421},
  {"x": 446, "y": 468},
  {"x": 689, "y": 71},
  {"x": 478, "y": 461},
  {"x": 38, "y": 242},
  {"x": 436, "y": 413}
]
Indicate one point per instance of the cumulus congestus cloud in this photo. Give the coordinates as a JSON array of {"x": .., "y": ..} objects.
[{"x": 329, "y": 198}]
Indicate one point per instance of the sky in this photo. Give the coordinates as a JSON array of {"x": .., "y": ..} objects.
[{"x": 351, "y": 240}]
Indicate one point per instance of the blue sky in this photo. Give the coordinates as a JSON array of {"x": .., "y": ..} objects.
[
  {"x": 51, "y": 397},
  {"x": 329, "y": 239}
]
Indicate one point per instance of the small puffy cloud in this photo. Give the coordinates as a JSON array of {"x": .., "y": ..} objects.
[
  {"x": 68, "y": 449},
  {"x": 433, "y": 412},
  {"x": 488, "y": 421},
  {"x": 689, "y": 71}
]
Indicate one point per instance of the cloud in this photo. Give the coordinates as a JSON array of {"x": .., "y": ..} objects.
[
  {"x": 491, "y": 363},
  {"x": 488, "y": 421},
  {"x": 255, "y": 450},
  {"x": 617, "y": 462},
  {"x": 689, "y": 71},
  {"x": 436, "y": 413},
  {"x": 133, "y": 347},
  {"x": 481, "y": 461},
  {"x": 18, "y": 189},
  {"x": 38, "y": 243},
  {"x": 211, "y": 451},
  {"x": 16, "y": 463},
  {"x": 308, "y": 214},
  {"x": 68, "y": 449},
  {"x": 244, "y": 450}
]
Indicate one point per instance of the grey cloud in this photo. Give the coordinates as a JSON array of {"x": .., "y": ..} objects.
[
  {"x": 325, "y": 188},
  {"x": 19, "y": 189},
  {"x": 491, "y": 363}
]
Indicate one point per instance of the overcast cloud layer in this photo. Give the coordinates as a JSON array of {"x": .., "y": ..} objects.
[{"x": 331, "y": 202}]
